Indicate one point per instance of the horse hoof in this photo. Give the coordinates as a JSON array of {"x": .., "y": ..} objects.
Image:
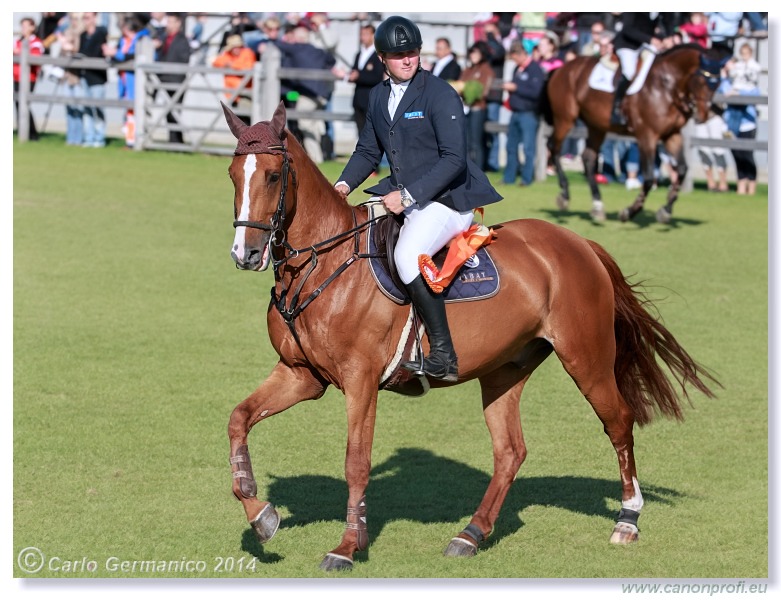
[
  {"x": 460, "y": 547},
  {"x": 598, "y": 215},
  {"x": 663, "y": 215},
  {"x": 266, "y": 523},
  {"x": 624, "y": 534},
  {"x": 624, "y": 215},
  {"x": 334, "y": 562},
  {"x": 562, "y": 202}
]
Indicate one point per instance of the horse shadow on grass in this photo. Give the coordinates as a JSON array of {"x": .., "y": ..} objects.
[
  {"x": 417, "y": 485},
  {"x": 643, "y": 220}
]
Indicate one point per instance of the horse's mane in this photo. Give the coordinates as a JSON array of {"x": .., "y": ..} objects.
[
  {"x": 309, "y": 173},
  {"x": 301, "y": 160},
  {"x": 681, "y": 48},
  {"x": 670, "y": 58}
]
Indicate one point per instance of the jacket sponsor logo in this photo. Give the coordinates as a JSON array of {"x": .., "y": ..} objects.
[{"x": 418, "y": 114}]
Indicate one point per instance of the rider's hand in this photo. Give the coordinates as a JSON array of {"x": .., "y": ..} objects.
[
  {"x": 343, "y": 189},
  {"x": 393, "y": 202}
]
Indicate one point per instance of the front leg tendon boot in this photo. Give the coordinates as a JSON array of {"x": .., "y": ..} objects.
[{"x": 441, "y": 363}]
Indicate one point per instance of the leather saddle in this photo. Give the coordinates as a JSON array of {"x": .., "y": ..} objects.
[
  {"x": 477, "y": 279},
  {"x": 386, "y": 234}
]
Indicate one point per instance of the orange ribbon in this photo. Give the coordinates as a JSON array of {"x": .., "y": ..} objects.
[{"x": 462, "y": 248}]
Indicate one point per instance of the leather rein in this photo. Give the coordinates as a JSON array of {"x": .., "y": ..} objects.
[{"x": 291, "y": 306}]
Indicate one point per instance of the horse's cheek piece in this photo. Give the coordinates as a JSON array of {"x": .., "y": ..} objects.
[
  {"x": 356, "y": 520},
  {"x": 247, "y": 486}
]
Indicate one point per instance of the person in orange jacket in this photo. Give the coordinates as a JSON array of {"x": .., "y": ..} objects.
[{"x": 236, "y": 56}]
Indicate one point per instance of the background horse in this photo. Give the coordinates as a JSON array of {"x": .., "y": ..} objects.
[
  {"x": 679, "y": 86},
  {"x": 331, "y": 325}
]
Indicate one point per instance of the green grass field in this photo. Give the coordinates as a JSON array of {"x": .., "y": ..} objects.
[{"x": 134, "y": 337}]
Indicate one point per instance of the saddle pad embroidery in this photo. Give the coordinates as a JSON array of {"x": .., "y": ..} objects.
[{"x": 471, "y": 283}]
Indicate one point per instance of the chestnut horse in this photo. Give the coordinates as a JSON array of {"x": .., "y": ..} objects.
[
  {"x": 679, "y": 85},
  {"x": 559, "y": 293}
]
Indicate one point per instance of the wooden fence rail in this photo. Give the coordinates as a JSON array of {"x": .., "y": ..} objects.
[{"x": 261, "y": 87}]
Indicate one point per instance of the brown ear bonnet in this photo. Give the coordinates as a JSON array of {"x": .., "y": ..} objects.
[{"x": 266, "y": 137}]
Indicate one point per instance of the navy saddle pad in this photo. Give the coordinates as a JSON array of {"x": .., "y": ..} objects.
[{"x": 471, "y": 283}]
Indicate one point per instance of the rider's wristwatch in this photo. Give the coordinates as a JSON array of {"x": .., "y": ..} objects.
[{"x": 406, "y": 199}]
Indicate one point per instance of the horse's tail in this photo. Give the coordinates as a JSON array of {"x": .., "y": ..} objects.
[
  {"x": 640, "y": 338},
  {"x": 545, "y": 106}
]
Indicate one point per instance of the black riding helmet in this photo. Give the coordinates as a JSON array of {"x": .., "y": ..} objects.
[{"x": 397, "y": 34}]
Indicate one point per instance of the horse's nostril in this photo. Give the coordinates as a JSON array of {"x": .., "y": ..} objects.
[{"x": 253, "y": 257}]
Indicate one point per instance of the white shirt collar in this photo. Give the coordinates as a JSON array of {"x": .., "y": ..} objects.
[
  {"x": 364, "y": 56},
  {"x": 403, "y": 85},
  {"x": 441, "y": 64},
  {"x": 396, "y": 93}
]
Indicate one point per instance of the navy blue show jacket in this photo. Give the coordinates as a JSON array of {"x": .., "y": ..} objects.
[{"x": 426, "y": 147}]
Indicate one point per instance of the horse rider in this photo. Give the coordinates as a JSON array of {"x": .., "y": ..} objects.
[
  {"x": 723, "y": 28},
  {"x": 637, "y": 29},
  {"x": 417, "y": 120}
]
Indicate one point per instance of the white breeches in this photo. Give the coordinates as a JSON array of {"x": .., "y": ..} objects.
[
  {"x": 628, "y": 59},
  {"x": 426, "y": 230}
]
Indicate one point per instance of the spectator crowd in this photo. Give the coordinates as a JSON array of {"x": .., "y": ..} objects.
[{"x": 508, "y": 59}]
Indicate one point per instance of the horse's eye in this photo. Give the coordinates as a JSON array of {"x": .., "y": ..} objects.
[{"x": 273, "y": 178}]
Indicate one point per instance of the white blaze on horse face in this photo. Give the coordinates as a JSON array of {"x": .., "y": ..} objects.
[
  {"x": 635, "y": 503},
  {"x": 250, "y": 163}
]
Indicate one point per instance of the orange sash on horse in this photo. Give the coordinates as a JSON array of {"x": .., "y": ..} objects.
[{"x": 462, "y": 247}]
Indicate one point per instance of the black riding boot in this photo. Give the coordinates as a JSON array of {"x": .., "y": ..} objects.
[
  {"x": 441, "y": 363},
  {"x": 617, "y": 116}
]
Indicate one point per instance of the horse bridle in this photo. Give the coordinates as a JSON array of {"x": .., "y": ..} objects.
[
  {"x": 278, "y": 238},
  {"x": 277, "y": 224},
  {"x": 688, "y": 104},
  {"x": 712, "y": 80}
]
